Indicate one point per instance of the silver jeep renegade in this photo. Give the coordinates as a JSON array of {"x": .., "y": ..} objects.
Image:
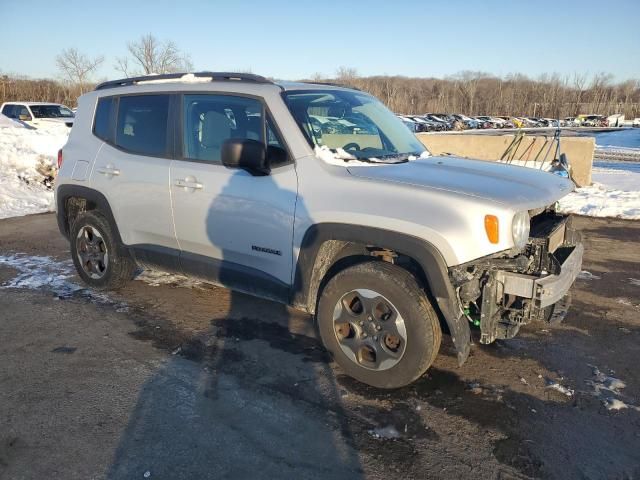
[{"x": 318, "y": 197}]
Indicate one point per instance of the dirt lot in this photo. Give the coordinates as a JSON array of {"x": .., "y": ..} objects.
[{"x": 173, "y": 382}]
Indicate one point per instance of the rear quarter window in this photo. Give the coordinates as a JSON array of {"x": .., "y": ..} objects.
[
  {"x": 8, "y": 111},
  {"x": 142, "y": 124},
  {"x": 102, "y": 122}
]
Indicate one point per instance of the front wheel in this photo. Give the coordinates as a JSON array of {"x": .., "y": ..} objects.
[
  {"x": 379, "y": 324},
  {"x": 95, "y": 254}
]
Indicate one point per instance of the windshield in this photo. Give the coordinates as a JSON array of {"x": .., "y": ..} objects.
[
  {"x": 51, "y": 111},
  {"x": 352, "y": 121}
]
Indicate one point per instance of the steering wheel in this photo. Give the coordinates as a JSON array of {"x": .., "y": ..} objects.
[{"x": 352, "y": 146}]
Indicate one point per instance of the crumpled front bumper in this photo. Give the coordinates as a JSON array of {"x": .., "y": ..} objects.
[
  {"x": 547, "y": 290},
  {"x": 520, "y": 289}
]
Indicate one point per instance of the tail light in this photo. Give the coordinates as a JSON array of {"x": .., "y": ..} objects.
[{"x": 59, "y": 159}]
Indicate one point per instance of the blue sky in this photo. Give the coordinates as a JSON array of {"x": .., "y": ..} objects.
[{"x": 292, "y": 40}]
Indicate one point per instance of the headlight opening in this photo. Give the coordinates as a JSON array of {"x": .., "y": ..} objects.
[{"x": 520, "y": 228}]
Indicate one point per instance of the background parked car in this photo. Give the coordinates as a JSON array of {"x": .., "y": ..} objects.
[
  {"x": 467, "y": 121},
  {"x": 411, "y": 125},
  {"x": 38, "y": 113}
]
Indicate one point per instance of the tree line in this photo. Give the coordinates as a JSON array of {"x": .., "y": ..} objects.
[
  {"x": 478, "y": 93},
  {"x": 468, "y": 92}
]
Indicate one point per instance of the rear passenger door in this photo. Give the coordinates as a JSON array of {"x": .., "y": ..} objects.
[
  {"x": 132, "y": 170},
  {"x": 233, "y": 228}
]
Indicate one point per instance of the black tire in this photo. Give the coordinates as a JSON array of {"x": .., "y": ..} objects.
[
  {"x": 119, "y": 268},
  {"x": 400, "y": 288}
]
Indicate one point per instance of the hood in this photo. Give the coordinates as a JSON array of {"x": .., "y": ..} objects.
[{"x": 518, "y": 187}]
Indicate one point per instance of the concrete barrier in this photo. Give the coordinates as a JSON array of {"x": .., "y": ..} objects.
[{"x": 530, "y": 148}]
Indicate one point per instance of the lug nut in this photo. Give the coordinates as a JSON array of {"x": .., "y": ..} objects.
[
  {"x": 378, "y": 327},
  {"x": 360, "y": 323},
  {"x": 370, "y": 318}
]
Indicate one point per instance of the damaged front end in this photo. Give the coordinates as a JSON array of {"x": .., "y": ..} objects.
[{"x": 504, "y": 291}]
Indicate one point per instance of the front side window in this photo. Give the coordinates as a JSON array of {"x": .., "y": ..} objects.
[
  {"x": 51, "y": 111},
  {"x": 142, "y": 124},
  {"x": 352, "y": 121},
  {"x": 21, "y": 110},
  {"x": 209, "y": 120}
]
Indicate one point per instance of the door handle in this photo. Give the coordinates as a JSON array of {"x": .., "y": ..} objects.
[
  {"x": 109, "y": 170},
  {"x": 189, "y": 184}
]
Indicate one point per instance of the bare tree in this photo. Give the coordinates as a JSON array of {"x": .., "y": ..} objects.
[
  {"x": 149, "y": 55},
  {"x": 346, "y": 74},
  {"x": 77, "y": 67},
  {"x": 467, "y": 83}
]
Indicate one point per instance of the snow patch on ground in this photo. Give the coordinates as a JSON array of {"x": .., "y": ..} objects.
[
  {"x": 42, "y": 272},
  {"x": 634, "y": 281},
  {"x": 389, "y": 432},
  {"x": 155, "y": 278},
  {"x": 25, "y": 153},
  {"x": 585, "y": 275},
  {"x": 560, "y": 388},
  {"x": 609, "y": 390}
]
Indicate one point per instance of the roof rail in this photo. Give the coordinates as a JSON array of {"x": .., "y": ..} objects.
[
  {"x": 215, "y": 77},
  {"x": 331, "y": 84}
]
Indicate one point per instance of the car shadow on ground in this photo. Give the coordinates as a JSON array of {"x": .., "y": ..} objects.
[
  {"x": 230, "y": 405},
  {"x": 259, "y": 402}
]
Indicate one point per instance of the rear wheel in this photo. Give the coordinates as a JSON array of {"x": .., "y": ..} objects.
[
  {"x": 379, "y": 324},
  {"x": 95, "y": 254}
]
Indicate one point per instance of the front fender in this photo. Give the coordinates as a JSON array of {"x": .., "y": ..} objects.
[{"x": 425, "y": 254}]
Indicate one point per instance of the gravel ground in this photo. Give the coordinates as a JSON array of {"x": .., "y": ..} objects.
[{"x": 171, "y": 382}]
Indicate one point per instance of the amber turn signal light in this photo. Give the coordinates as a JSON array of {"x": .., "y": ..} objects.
[{"x": 491, "y": 227}]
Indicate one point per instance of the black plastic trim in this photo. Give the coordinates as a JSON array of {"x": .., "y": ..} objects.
[
  {"x": 64, "y": 192},
  {"x": 234, "y": 276}
]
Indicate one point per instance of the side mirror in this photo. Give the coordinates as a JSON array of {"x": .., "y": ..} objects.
[
  {"x": 24, "y": 117},
  {"x": 249, "y": 155}
]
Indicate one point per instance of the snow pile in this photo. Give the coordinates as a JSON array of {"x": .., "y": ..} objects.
[
  {"x": 27, "y": 158},
  {"x": 615, "y": 192},
  {"x": 7, "y": 122},
  {"x": 599, "y": 201}
]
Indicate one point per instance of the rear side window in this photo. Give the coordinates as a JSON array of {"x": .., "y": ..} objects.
[
  {"x": 209, "y": 120},
  {"x": 102, "y": 121},
  {"x": 142, "y": 124}
]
